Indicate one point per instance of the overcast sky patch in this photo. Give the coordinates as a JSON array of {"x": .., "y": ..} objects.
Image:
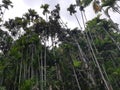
[{"x": 22, "y": 6}]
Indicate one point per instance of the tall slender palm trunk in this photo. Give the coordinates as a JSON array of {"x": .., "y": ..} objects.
[
  {"x": 41, "y": 72},
  {"x": 45, "y": 64}
]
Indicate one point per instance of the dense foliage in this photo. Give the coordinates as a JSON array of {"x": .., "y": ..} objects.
[{"x": 73, "y": 60}]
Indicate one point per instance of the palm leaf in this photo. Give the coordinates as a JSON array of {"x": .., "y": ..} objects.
[
  {"x": 86, "y": 2},
  {"x": 108, "y": 3}
]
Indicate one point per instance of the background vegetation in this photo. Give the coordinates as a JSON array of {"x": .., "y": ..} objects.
[{"x": 75, "y": 59}]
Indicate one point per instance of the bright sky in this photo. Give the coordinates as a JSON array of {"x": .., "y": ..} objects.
[{"x": 21, "y": 6}]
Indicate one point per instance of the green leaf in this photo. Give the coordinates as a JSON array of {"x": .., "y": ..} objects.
[
  {"x": 27, "y": 84},
  {"x": 2, "y": 88},
  {"x": 76, "y": 63}
]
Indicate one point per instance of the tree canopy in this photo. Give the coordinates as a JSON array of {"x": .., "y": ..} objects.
[{"x": 44, "y": 54}]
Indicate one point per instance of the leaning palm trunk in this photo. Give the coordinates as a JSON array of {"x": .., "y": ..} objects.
[
  {"x": 107, "y": 77},
  {"x": 107, "y": 14},
  {"x": 95, "y": 58},
  {"x": 112, "y": 39},
  {"x": 98, "y": 65},
  {"x": 76, "y": 78},
  {"x": 81, "y": 53},
  {"x": 87, "y": 66},
  {"x": 78, "y": 21},
  {"x": 80, "y": 50},
  {"x": 96, "y": 51},
  {"x": 20, "y": 72}
]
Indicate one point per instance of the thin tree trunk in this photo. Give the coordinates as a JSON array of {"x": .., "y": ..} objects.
[
  {"x": 105, "y": 73},
  {"x": 32, "y": 51},
  {"x": 45, "y": 64},
  {"x": 81, "y": 53},
  {"x": 39, "y": 63},
  {"x": 20, "y": 73},
  {"x": 112, "y": 39},
  {"x": 97, "y": 63},
  {"x": 50, "y": 87},
  {"x": 78, "y": 21},
  {"x": 15, "y": 82},
  {"x": 76, "y": 78},
  {"x": 41, "y": 72},
  {"x": 99, "y": 68}
]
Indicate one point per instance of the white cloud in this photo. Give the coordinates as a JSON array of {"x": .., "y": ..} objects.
[
  {"x": 32, "y": 3},
  {"x": 18, "y": 9},
  {"x": 21, "y": 6}
]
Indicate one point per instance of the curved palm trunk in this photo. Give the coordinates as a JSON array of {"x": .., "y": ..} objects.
[{"x": 78, "y": 21}]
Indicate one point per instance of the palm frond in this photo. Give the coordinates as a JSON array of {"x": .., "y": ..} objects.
[
  {"x": 86, "y": 2},
  {"x": 108, "y": 3}
]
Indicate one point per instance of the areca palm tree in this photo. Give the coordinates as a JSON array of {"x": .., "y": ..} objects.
[
  {"x": 90, "y": 57},
  {"x": 105, "y": 36}
]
